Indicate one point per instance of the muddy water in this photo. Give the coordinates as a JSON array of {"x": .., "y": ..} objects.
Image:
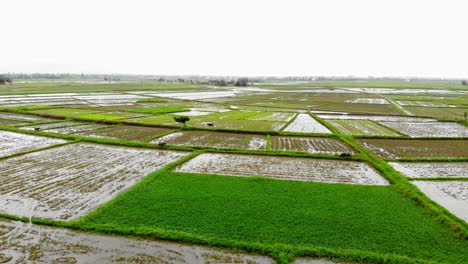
[
  {"x": 69, "y": 181},
  {"x": 28, "y": 243}
]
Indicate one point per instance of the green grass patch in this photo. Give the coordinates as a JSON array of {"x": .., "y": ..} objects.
[
  {"x": 64, "y": 112},
  {"x": 160, "y": 110},
  {"x": 273, "y": 212},
  {"x": 101, "y": 117}
]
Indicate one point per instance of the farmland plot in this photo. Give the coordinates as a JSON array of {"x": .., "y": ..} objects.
[
  {"x": 309, "y": 144},
  {"x": 452, "y": 195},
  {"x": 376, "y": 118},
  {"x": 12, "y": 143},
  {"x": 286, "y": 168},
  {"x": 75, "y": 129},
  {"x": 25, "y": 243},
  {"x": 9, "y": 122},
  {"x": 438, "y": 112},
  {"x": 20, "y": 117},
  {"x": 417, "y": 148},
  {"x": 304, "y": 123},
  {"x": 274, "y": 116},
  {"x": 195, "y": 95},
  {"x": 202, "y": 111},
  {"x": 422, "y": 103},
  {"x": 51, "y": 125},
  {"x": 369, "y": 101},
  {"x": 214, "y": 139},
  {"x": 431, "y": 169},
  {"x": 69, "y": 181},
  {"x": 125, "y": 132},
  {"x": 432, "y": 129},
  {"x": 362, "y": 127}
]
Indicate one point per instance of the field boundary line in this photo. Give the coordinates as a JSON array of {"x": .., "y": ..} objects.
[{"x": 288, "y": 123}]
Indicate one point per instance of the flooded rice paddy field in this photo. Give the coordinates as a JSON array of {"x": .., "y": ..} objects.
[
  {"x": 13, "y": 143},
  {"x": 29, "y": 243},
  {"x": 67, "y": 182},
  {"x": 417, "y": 148},
  {"x": 306, "y": 124},
  {"x": 214, "y": 139},
  {"x": 369, "y": 101},
  {"x": 286, "y": 168},
  {"x": 432, "y": 169},
  {"x": 362, "y": 127},
  {"x": 51, "y": 125},
  {"x": 22, "y": 117},
  {"x": 125, "y": 132},
  {"x": 75, "y": 129},
  {"x": 453, "y": 195},
  {"x": 309, "y": 144},
  {"x": 432, "y": 129}
]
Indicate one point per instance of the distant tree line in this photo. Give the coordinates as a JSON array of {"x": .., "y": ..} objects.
[
  {"x": 464, "y": 82},
  {"x": 238, "y": 82},
  {"x": 5, "y": 80}
]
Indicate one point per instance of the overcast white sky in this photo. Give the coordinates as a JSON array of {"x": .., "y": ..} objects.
[{"x": 254, "y": 37}]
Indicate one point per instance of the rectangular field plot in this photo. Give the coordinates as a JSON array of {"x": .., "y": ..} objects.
[
  {"x": 362, "y": 127},
  {"x": 214, "y": 139},
  {"x": 68, "y": 112},
  {"x": 125, "y": 132},
  {"x": 304, "y": 123},
  {"x": 376, "y": 118},
  {"x": 69, "y": 181},
  {"x": 286, "y": 168},
  {"x": 75, "y": 129},
  {"x": 21, "y": 117},
  {"x": 51, "y": 125},
  {"x": 12, "y": 143},
  {"x": 453, "y": 195},
  {"x": 432, "y": 129},
  {"x": 369, "y": 101},
  {"x": 431, "y": 169},
  {"x": 309, "y": 144},
  {"x": 51, "y": 244},
  {"x": 10, "y": 122},
  {"x": 274, "y": 116},
  {"x": 417, "y": 148}
]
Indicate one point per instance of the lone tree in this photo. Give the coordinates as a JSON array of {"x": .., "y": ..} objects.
[
  {"x": 464, "y": 82},
  {"x": 181, "y": 119},
  {"x": 5, "y": 79}
]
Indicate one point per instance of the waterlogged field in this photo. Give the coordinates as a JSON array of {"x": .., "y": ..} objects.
[
  {"x": 362, "y": 127},
  {"x": 321, "y": 197},
  {"x": 417, "y": 148},
  {"x": 25, "y": 243},
  {"x": 452, "y": 195},
  {"x": 369, "y": 101},
  {"x": 51, "y": 125},
  {"x": 214, "y": 139},
  {"x": 126, "y": 132},
  {"x": 21, "y": 117},
  {"x": 303, "y": 169},
  {"x": 376, "y": 118},
  {"x": 432, "y": 129},
  {"x": 67, "y": 182},
  {"x": 432, "y": 169},
  {"x": 304, "y": 123},
  {"x": 75, "y": 129},
  {"x": 13, "y": 143},
  {"x": 309, "y": 144}
]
